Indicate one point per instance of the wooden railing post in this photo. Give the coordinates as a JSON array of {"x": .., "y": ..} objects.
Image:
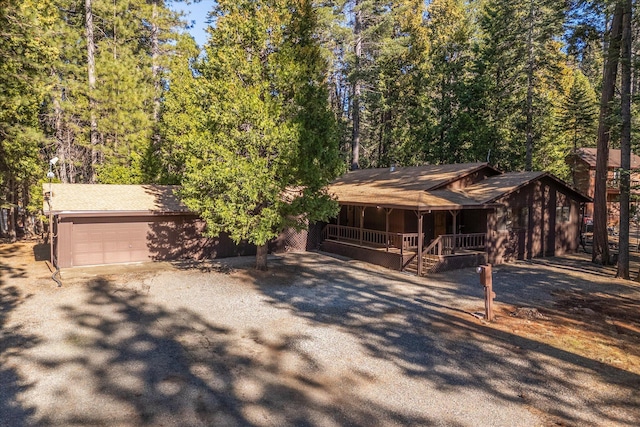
[
  {"x": 387, "y": 212},
  {"x": 361, "y": 223},
  {"x": 420, "y": 244},
  {"x": 454, "y": 214}
]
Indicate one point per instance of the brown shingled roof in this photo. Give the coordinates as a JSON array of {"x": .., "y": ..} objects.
[
  {"x": 113, "y": 198},
  {"x": 409, "y": 178},
  {"x": 589, "y": 156},
  {"x": 405, "y": 187},
  {"x": 412, "y": 188},
  {"x": 492, "y": 188}
]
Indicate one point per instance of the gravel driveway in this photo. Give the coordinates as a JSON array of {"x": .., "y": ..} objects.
[{"x": 315, "y": 341}]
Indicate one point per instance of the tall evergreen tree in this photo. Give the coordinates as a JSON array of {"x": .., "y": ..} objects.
[
  {"x": 26, "y": 48},
  {"x": 625, "y": 140},
  {"x": 104, "y": 107},
  {"x": 182, "y": 106},
  {"x": 449, "y": 33},
  {"x": 515, "y": 66},
  {"x": 579, "y": 115},
  {"x": 270, "y": 146},
  {"x": 382, "y": 59},
  {"x": 600, "y": 252}
]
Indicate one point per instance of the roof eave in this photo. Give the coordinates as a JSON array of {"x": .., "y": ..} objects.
[
  {"x": 95, "y": 214},
  {"x": 420, "y": 207}
]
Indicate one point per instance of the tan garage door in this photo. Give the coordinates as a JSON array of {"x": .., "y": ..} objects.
[{"x": 108, "y": 243}]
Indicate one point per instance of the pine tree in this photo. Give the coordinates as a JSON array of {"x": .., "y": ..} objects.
[
  {"x": 26, "y": 48},
  {"x": 625, "y": 139},
  {"x": 578, "y": 119},
  {"x": 449, "y": 54},
  {"x": 600, "y": 252},
  {"x": 182, "y": 106},
  {"x": 381, "y": 69},
  {"x": 270, "y": 146},
  {"x": 515, "y": 66},
  {"x": 104, "y": 112}
]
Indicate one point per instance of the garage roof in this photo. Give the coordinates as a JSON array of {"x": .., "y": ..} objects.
[{"x": 93, "y": 198}]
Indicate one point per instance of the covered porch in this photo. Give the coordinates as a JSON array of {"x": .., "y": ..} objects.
[{"x": 393, "y": 237}]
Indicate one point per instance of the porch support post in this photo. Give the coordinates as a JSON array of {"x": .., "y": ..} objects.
[
  {"x": 387, "y": 212},
  {"x": 338, "y": 222},
  {"x": 420, "y": 237},
  {"x": 361, "y": 224},
  {"x": 454, "y": 214}
]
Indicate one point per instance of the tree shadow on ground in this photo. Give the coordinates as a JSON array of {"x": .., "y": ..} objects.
[
  {"x": 12, "y": 340},
  {"x": 421, "y": 331},
  {"x": 42, "y": 252},
  {"x": 150, "y": 366}
]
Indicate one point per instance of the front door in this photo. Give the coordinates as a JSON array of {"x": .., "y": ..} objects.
[{"x": 440, "y": 223}]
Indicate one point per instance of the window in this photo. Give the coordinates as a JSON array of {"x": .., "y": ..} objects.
[
  {"x": 563, "y": 214},
  {"x": 521, "y": 217},
  {"x": 503, "y": 219}
]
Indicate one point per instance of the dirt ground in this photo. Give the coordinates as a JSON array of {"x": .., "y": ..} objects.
[
  {"x": 315, "y": 341},
  {"x": 596, "y": 323}
]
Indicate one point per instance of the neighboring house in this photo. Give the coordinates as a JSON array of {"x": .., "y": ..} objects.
[
  {"x": 455, "y": 215},
  {"x": 107, "y": 224},
  {"x": 583, "y": 166}
]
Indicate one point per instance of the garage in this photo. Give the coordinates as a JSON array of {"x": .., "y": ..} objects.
[
  {"x": 109, "y": 243},
  {"x": 97, "y": 224}
]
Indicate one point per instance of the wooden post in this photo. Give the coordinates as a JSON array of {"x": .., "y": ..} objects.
[
  {"x": 486, "y": 280},
  {"x": 387, "y": 212},
  {"x": 361, "y": 223},
  {"x": 338, "y": 222},
  {"x": 419, "y": 244},
  {"x": 454, "y": 214}
]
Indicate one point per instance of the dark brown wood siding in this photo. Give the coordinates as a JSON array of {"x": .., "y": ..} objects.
[
  {"x": 534, "y": 228},
  {"x": 121, "y": 239}
]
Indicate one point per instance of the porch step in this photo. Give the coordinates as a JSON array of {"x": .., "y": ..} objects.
[{"x": 428, "y": 265}]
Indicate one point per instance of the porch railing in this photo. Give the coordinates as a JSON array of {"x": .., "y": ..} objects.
[
  {"x": 447, "y": 244},
  {"x": 442, "y": 245},
  {"x": 365, "y": 236}
]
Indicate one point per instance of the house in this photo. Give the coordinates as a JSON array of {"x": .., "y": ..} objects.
[
  {"x": 454, "y": 215},
  {"x": 107, "y": 224},
  {"x": 583, "y": 167}
]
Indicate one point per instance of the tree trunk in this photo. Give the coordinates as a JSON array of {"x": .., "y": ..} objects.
[
  {"x": 25, "y": 217},
  {"x": 625, "y": 144},
  {"x": 91, "y": 75},
  {"x": 355, "y": 111},
  {"x": 528, "y": 162},
  {"x": 155, "y": 67},
  {"x": 600, "y": 253},
  {"x": 12, "y": 216},
  {"x": 157, "y": 83},
  {"x": 261, "y": 257}
]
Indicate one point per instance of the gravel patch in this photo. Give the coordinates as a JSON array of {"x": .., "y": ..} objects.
[{"x": 314, "y": 341}]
